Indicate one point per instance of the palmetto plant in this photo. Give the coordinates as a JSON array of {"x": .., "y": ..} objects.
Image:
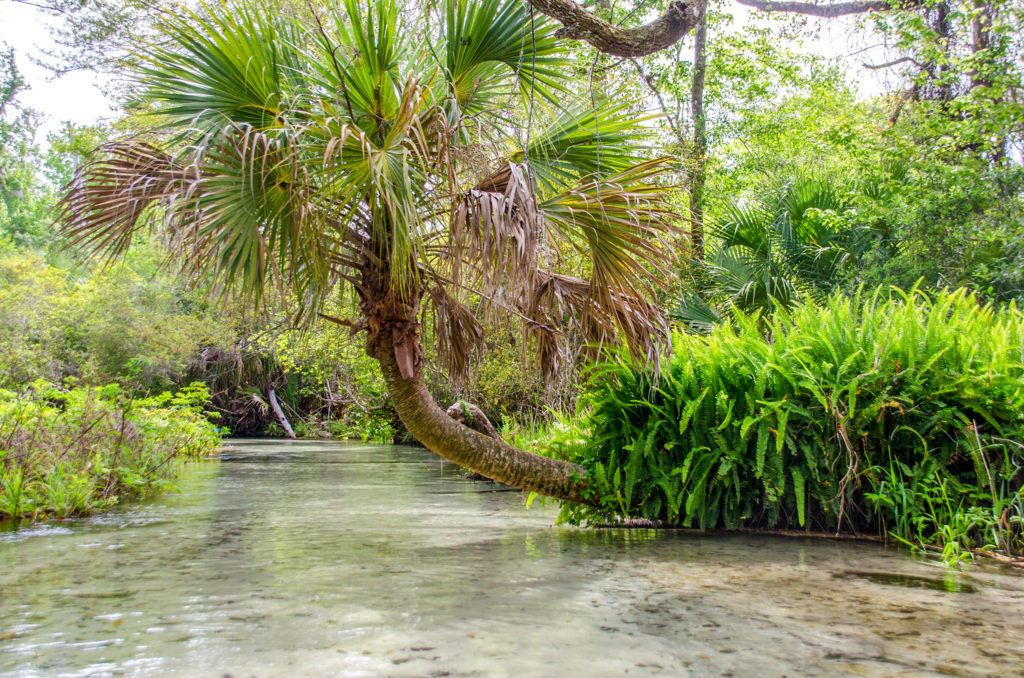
[
  {"x": 771, "y": 252},
  {"x": 437, "y": 164}
]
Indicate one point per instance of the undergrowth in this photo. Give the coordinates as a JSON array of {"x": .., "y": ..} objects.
[
  {"x": 70, "y": 452},
  {"x": 892, "y": 412}
]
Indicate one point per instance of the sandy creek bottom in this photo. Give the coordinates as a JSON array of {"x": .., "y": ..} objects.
[{"x": 333, "y": 559}]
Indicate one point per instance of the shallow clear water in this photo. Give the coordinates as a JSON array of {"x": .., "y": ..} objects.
[{"x": 328, "y": 559}]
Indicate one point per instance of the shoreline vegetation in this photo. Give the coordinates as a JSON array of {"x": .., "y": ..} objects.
[
  {"x": 887, "y": 415},
  {"x": 73, "y": 452},
  {"x": 70, "y": 452},
  {"x": 892, "y": 413}
]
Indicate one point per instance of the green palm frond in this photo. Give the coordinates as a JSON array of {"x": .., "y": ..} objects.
[
  {"x": 618, "y": 222},
  {"x": 238, "y": 212},
  {"x": 792, "y": 244},
  {"x": 360, "y": 70},
  {"x": 236, "y": 66},
  {"x": 584, "y": 141},
  {"x": 696, "y": 315},
  {"x": 745, "y": 226},
  {"x": 751, "y": 283},
  {"x": 479, "y": 36}
]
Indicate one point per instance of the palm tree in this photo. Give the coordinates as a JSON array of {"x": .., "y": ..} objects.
[
  {"x": 441, "y": 168},
  {"x": 793, "y": 244}
]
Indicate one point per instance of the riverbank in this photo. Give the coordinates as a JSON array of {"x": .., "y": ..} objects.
[
  {"x": 887, "y": 413},
  {"x": 70, "y": 452}
]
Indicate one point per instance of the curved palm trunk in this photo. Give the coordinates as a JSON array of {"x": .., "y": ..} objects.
[
  {"x": 490, "y": 457},
  {"x": 393, "y": 340}
]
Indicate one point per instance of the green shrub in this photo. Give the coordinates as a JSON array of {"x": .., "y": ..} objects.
[
  {"x": 130, "y": 323},
  {"x": 358, "y": 425},
  {"x": 556, "y": 434},
  {"x": 502, "y": 387},
  {"x": 895, "y": 412},
  {"x": 69, "y": 452}
]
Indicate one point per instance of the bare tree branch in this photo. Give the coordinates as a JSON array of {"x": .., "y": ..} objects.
[
  {"x": 681, "y": 17},
  {"x": 55, "y": 7},
  {"x": 673, "y": 120},
  {"x": 895, "y": 62},
  {"x": 828, "y": 11},
  {"x": 664, "y": 31}
]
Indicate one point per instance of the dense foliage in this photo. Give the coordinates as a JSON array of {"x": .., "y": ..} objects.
[
  {"x": 890, "y": 412},
  {"x": 138, "y": 326},
  {"x": 66, "y": 452},
  {"x": 130, "y": 323}
]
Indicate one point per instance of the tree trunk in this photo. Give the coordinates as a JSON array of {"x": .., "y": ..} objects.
[
  {"x": 472, "y": 416},
  {"x": 698, "y": 172},
  {"x": 393, "y": 339},
  {"x": 943, "y": 28},
  {"x": 279, "y": 413},
  {"x": 981, "y": 40}
]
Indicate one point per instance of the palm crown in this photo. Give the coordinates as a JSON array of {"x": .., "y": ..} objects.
[{"x": 439, "y": 160}]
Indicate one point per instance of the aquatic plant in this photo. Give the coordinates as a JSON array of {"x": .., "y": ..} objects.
[
  {"x": 889, "y": 411},
  {"x": 68, "y": 452}
]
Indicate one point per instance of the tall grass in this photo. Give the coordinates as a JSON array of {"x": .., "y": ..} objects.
[
  {"x": 69, "y": 452},
  {"x": 895, "y": 412}
]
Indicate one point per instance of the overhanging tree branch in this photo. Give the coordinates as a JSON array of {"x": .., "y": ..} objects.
[
  {"x": 578, "y": 24},
  {"x": 895, "y": 62},
  {"x": 681, "y": 17},
  {"x": 827, "y": 11}
]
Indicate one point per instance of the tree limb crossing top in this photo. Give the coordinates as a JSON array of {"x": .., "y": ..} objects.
[{"x": 681, "y": 17}]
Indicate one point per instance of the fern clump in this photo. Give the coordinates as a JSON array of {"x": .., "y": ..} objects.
[{"x": 898, "y": 412}]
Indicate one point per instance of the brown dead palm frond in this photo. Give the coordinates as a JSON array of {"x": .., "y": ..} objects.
[
  {"x": 107, "y": 198},
  {"x": 640, "y": 321},
  {"x": 459, "y": 336},
  {"x": 497, "y": 226},
  {"x": 553, "y": 301},
  {"x": 614, "y": 228},
  {"x": 597, "y": 312}
]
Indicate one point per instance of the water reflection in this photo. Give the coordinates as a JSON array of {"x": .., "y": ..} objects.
[
  {"x": 951, "y": 581},
  {"x": 309, "y": 559}
]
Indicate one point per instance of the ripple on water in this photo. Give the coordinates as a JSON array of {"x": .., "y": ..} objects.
[{"x": 13, "y": 531}]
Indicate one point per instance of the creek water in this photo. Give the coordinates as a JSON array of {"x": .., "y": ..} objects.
[{"x": 333, "y": 559}]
